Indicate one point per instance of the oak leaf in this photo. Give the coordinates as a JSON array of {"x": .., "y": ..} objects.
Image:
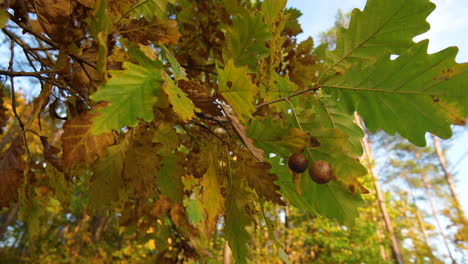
[
  {"x": 107, "y": 178},
  {"x": 12, "y": 166},
  {"x": 50, "y": 154},
  {"x": 3, "y": 112},
  {"x": 259, "y": 179},
  {"x": 159, "y": 30},
  {"x": 141, "y": 162},
  {"x": 55, "y": 18},
  {"x": 79, "y": 144},
  {"x": 237, "y": 219},
  {"x": 211, "y": 197},
  {"x": 236, "y": 87}
]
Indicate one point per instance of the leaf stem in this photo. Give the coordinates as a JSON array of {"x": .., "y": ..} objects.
[{"x": 313, "y": 89}]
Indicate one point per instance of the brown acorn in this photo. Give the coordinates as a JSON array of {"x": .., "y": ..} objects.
[
  {"x": 298, "y": 163},
  {"x": 321, "y": 172}
]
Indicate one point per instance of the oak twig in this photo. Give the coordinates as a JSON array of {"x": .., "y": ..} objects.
[{"x": 313, "y": 89}]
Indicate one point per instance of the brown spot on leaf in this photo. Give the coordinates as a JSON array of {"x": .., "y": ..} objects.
[{"x": 314, "y": 143}]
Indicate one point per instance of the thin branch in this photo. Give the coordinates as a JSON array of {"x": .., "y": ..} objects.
[
  {"x": 48, "y": 41},
  {"x": 34, "y": 74},
  {"x": 209, "y": 130},
  {"x": 217, "y": 119},
  {"x": 12, "y": 85},
  {"x": 11, "y": 216},
  {"x": 21, "y": 43},
  {"x": 313, "y": 89},
  {"x": 23, "y": 73}
]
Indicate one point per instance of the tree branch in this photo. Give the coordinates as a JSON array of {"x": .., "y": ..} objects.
[
  {"x": 313, "y": 89},
  {"x": 48, "y": 41}
]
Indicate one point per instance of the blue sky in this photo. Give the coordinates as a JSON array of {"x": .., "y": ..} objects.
[{"x": 449, "y": 27}]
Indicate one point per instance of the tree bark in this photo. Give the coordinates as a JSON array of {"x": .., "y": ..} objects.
[
  {"x": 227, "y": 254},
  {"x": 436, "y": 216},
  {"x": 396, "y": 250}
]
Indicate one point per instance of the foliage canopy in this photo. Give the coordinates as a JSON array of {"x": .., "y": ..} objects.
[{"x": 181, "y": 116}]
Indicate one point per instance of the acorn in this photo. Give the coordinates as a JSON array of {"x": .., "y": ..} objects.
[
  {"x": 298, "y": 163},
  {"x": 321, "y": 172}
]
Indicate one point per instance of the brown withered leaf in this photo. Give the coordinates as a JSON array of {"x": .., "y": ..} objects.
[
  {"x": 160, "y": 207},
  {"x": 260, "y": 179},
  {"x": 79, "y": 144},
  {"x": 50, "y": 154},
  {"x": 87, "y": 3},
  {"x": 84, "y": 77},
  {"x": 3, "y": 113},
  {"x": 180, "y": 219},
  {"x": 12, "y": 166},
  {"x": 55, "y": 18},
  {"x": 242, "y": 133},
  {"x": 159, "y": 30},
  {"x": 200, "y": 96}
]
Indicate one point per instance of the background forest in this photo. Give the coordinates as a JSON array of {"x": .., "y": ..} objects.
[{"x": 83, "y": 181}]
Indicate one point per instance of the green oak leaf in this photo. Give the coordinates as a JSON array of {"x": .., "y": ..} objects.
[
  {"x": 107, "y": 180},
  {"x": 168, "y": 137},
  {"x": 139, "y": 56},
  {"x": 195, "y": 211},
  {"x": 280, "y": 87},
  {"x": 237, "y": 88},
  {"x": 237, "y": 219},
  {"x": 246, "y": 40},
  {"x": 169, "y": 178},
  {"x": 181, "y": 104},
  {"x": 150, "y": 9},
  {"x": 383, "y": 26},
  {"x": 131, "y": 96},
  {"x": 411, "y": 95},
  {"x": 271, "y": 136},
  {"x": 332, "y": 200},
  {"x": 177, "y": 70},
  {"x": 100, "y": 28},
  {"x": 324, "y": 112},
  {"x": 287, "y": 187},
  {"x": 271, "y": 227},
  {"x": 272, "y": 8}
]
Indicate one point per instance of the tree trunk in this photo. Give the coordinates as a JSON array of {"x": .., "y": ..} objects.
[
  {"x": 396, "y": 250},
  {"x": 448, "y": 176},
  {"x": 381, "y": 236},
  {"x": 436, "y": 216},
  {"x": 227, "y": 254}
]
